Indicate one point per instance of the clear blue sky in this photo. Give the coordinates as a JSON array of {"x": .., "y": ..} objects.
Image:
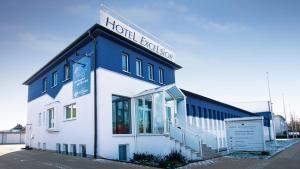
[{"x": 225, "y": 47}]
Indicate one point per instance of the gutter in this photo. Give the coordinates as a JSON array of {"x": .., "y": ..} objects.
[{"x": 95, "y": 96}]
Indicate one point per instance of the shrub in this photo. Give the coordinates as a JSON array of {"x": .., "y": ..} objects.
[{"x": 172, "y": 160}]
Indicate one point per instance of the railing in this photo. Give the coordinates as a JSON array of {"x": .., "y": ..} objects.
[{"x": 187, "y": 138}]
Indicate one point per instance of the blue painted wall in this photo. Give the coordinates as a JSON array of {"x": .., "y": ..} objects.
[{"x": 109, "y": 50}]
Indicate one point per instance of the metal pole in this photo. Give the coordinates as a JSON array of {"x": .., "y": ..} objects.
[
  {"x": 291, "y": 120},
  {"x": 270, "y": 99},
  {"x": 284, "y": 114}
]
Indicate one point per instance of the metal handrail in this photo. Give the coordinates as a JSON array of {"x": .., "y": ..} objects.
[{"x": 185, "y": 131}]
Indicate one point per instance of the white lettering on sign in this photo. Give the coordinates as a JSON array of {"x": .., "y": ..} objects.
[{"x": 115, "y": 25}]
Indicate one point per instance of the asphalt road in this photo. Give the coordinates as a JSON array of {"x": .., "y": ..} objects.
[{"x": 11, "y": 157}]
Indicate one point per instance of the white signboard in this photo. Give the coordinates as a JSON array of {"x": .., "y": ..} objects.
[
  {"x": 115, "y": 25},
  {"x": 245, "y": 134}
]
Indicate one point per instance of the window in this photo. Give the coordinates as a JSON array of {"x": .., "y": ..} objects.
[
  {"x": 65, "y": 149},
  {"x": 151, "y": 72},
  {"x": 200, "y": 112},
  {"x": 194, "y": 110},
  {"x": 139, "y": 67},
  {"x": 144, "y": 113},
  {"x": 58, "y": 148},
  {"x": 54, "y": 78},
  {"x": 50, "y": 118},
  {"x": 187, "y": 109},
  {"x": 44, "y": 84},
  {"x": 121, "y": 115},
  {"x": 66, "y": 72},
  {"x": 82, "y": 150},
  {"x": 125, "y": 62},
  {"x": 161, "y": 76},
  {"x": 73, "y": 149},
  {"x": 70, "y": 112}
]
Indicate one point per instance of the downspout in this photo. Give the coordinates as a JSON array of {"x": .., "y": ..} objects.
[{"x": 95, "y": 96}]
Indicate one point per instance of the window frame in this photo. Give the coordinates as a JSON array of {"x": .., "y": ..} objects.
[
  {"x": 139, "y": 67},
  {"x": 151, "y": 72},
  {"x": 125, "y": 55},
  {"x": 54, "y": 79},
  {"x": 114, "y": 127},
  {"x": 72, "y": 117},
  {"x": 161, "y": 76},
  {"x": 44, "y": 89},
  {"x": 67, "y": 74},
  {"x": 51, "y": 121}
]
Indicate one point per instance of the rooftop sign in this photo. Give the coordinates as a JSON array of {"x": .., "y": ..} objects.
[{"x": 138, "y": 37}]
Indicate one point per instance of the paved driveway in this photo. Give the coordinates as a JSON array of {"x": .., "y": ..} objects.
[
  {"x": 287, "y": 159},
  {"x": 12, "y": 157}
]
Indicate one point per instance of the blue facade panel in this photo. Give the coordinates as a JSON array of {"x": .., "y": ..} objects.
[
  {"x": 109, "y": 50},
  {"x": 213, "y": 110}
]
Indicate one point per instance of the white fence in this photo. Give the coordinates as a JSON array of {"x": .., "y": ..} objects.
[{"x": 12, "y": 137}]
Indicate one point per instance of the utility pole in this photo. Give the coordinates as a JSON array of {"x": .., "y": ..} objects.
[
  {"x": 285, "y": 115},
  {"x": 291, "y": 120},
  {"x": 270, "y": 98},
  {"x": 271, "y": 130}
]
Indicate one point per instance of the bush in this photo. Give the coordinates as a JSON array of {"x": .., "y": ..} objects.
[{"x": 172, "y": 160}]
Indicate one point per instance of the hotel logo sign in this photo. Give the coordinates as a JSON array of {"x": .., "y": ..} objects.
[{"x": 115, "y": 25}]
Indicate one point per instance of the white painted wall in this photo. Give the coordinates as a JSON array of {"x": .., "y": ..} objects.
[
  {"x": 114, "y": 83},
  {"x": 79, "y": 131}
]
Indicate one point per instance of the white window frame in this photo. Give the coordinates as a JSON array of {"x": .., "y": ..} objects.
[
  {"x": 139, "y": 67},
  {"x": 72, "y": 113},
  {"x": 51, "y": 120},
  {"x": 161, "y": 76},
  {"x": 44, "y": 85},
  {"x": 126, "y": 56},
  {"x": 151, "y": 72},
  {"x": 67, "y": 74},
  {"x": 54, "y": 79}
]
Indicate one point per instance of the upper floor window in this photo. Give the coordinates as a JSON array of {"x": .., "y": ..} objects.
[
  {"x": 50, "y": 113},
  {"x": 161, "y": 76},
  {"x": 139, "y": 67},
  {"x": 44, "y": 85},
  {"x": 150, "y": 72},
  {"x": 121, "y": 114},
  {"x": 66, "y": 72},
  {"x": 125, "y": 62},
  {"x": 54, "y": 78},
  {"x": 70, "y": 112}
]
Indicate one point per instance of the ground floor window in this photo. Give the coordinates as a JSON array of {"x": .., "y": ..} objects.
[
  {"x": 150, "y": 113},
  {"x": 144, "y": 114},
  {"x": 82, "y": 150},
  {"x": 70, "y": 111},
  {"x": 121, "y": 115},
  {"x": 50, "y": 118}
]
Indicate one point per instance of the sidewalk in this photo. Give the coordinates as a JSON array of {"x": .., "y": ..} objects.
[{"x": 287, "y": 159}]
